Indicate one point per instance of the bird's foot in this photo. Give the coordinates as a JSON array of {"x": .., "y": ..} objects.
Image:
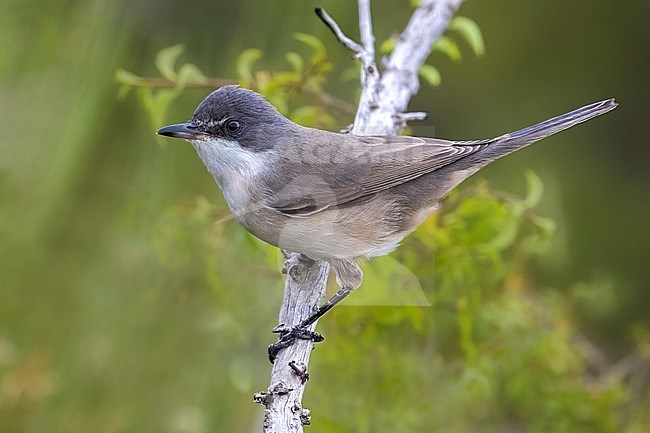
[{"x": 288, "y": 336}]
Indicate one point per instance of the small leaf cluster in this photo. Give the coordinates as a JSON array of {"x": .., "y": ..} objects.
[
  {"x": 306, "y": 75},
  {"x": 157, "y": 95}
]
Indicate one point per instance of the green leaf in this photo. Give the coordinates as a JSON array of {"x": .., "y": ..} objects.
[
  {"x": 166, "y": 59},
  {"x": 449, "y": 47},
  {"x": 129, "y": 78},
  {"x": 127, "y": 81},
  {"x": 245, "y": 63},
  {"x": 471, "y": 32},
  {"x": 157, "y": 103},
  {"x": 123, "y": 92},
  {"x": 506, "y": 230},
  {"x": 296, "y": 62},
  {"x": 388, "y": 45},
  {"x": 534, "y": 189},
  {"x": 319, "y": 51},
  {"x": 189, "y": 73},
  {"x": 430, "y": 74},
  {"x": 547, "y": 226}
]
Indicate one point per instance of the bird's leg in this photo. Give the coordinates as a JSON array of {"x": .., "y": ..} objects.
[
  {"x": 301, "y": 331},
  {"x": 338, "y": 297}
]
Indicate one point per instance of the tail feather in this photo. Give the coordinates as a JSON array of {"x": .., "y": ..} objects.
[
  {"x": 448, "y": 177},
  {"x": 516, "y": 140}
]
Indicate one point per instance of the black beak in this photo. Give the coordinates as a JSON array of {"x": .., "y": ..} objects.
[{"x": 181, "y": 130}]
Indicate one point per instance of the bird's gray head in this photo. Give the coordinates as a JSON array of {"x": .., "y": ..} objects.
[
  {"x": 233, "y": 116},
  {"x": 234, "y": 131}
]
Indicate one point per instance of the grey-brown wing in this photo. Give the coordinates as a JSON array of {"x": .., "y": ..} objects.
[{"x": 371, "y": 165}]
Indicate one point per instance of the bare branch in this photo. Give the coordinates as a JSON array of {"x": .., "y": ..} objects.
[
  {"x": 365, "y": 28},
  {"x": 336, "y": 29},
  {"x": 400, "y": 76},
  {"x": 407, "y": 117},
  {"x": 427, "y": 24},
  {"x": 303, "y": 291},
  {"x": 369, "y": 73}
]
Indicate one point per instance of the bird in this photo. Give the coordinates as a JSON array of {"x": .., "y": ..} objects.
[{"x": 336, "y": 197}]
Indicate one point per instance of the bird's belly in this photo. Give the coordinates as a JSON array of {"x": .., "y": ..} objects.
[
  {"x": 323, "y": 242},
  {"x": 340, "y": 234}
]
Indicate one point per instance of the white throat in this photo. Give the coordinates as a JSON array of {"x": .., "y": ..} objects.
[
  {"x": 226, "y": 160},
  {"x": 233, "y": 168}
]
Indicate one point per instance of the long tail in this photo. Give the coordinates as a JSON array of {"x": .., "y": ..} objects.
[
  {"x": 445, "y": 179},
  {"x": 508, "y": 143}
]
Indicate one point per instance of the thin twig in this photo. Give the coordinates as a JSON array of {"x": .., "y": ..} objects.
[
  {"x": 366, "y": 52},
  {"x": 369, "y": 74},
  {"x": 407, "y": 117},
  {"x": 336, "y": 102},
  {"x": 342, "y": 38},
  {"x": 365, "y": 28}
]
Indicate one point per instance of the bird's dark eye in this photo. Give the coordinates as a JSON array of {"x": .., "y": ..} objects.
[{"x": 233, "y": 126}]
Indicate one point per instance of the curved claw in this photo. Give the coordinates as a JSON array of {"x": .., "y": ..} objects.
[{"x": 288, "y": 336}]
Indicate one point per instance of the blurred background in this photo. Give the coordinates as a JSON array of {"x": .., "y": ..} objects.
[{"x": 123, "y": 307}]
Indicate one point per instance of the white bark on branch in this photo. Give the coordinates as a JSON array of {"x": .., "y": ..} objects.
[
  {"x": 365, "y": 28},
  {"x": 382, "y": 111},
  {"x": 303, "y": 291},
  {"x": 399, "y": 81}
]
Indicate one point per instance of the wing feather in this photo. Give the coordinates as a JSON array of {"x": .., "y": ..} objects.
[{"x": 374, "y": 164}]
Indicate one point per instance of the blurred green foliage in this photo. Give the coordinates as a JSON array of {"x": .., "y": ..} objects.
[
  {"x": 306, "y": 76},
  {"x": 130, "y": 300},
  {"x": 494, "y": 353}
]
